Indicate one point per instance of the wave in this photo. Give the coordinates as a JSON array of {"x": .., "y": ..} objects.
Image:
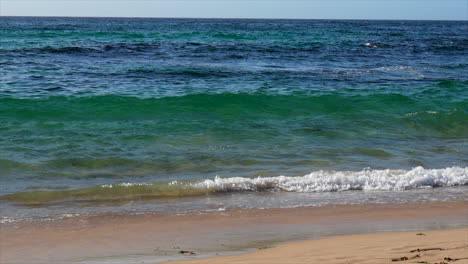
[
  {"x": 61, "y": 50},
  {"x": 230, "y": 47},
  {"x": 326, "y": 181},
  {"x": 225, "y": 42},
  {"x": 86, "y": 49},
  {"x": 181, "y": 71},
  {"x": 407, "y": 114},
  {"x": 319, "y": 181},
  {"x": 341, "y": 104}
]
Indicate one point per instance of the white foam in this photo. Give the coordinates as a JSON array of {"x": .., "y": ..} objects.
[
  {"x": 125, "y": 184},
  {"x": 6, "y": 220},
  {"x": 398, "y": 68},
  {"x": 62, "y": 216},
  {"x": 328, "y": 181},
  {"x": 368, "y": 44},
  {"x": 423, "y": 112}
]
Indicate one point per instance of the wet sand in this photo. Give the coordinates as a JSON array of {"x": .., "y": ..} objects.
[{"x": 151, "y": 238}]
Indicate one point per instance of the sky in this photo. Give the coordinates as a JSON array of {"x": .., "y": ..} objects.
[{"x": 309, "y": 9}]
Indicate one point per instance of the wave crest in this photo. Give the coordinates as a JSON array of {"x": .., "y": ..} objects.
[
  {"x": 320, "y": 181},
  {"x": 326, "y": 181}
]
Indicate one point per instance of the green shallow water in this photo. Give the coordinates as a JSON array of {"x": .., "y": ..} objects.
[
  {"x": 104, "y": 194},
  {"x": 446, "y": 95},
  {"x": 249, "y": 134}
]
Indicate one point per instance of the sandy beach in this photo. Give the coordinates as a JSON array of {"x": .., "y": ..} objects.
[
  {"x": 448, "y": 246},
  {"x": 157, "y": 238}
]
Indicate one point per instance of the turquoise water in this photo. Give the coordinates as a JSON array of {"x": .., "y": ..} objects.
[{"x": 157, "y": 108}]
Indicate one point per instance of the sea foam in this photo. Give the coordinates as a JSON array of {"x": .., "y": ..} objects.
[{"x": 329, "y": 181}]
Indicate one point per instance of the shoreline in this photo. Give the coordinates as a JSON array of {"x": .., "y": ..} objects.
[{"x": 151, "y": 238}]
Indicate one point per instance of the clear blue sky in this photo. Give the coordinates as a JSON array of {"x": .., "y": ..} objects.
[{"x": 332, "y": 9}]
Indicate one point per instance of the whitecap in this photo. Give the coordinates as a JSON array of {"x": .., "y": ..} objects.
[{"x": 331, "y": 181}]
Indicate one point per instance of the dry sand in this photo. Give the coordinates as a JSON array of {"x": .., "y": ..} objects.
[{"x": 448, "y": 246}]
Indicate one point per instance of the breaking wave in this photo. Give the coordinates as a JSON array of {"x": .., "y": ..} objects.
[
  {"x": 319, "y": 181},
  {"x": 325, "y": 181}
]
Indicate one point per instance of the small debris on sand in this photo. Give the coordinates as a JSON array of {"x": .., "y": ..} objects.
[
  {"x": 425, "y": 249},
  {"x": 187, "y": 252},
  {"x": 405, "y": 258}
]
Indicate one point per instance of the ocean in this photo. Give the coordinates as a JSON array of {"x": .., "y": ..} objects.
[{"x": 140, "y": 115}]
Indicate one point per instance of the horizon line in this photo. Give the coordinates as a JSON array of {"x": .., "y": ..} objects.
[{"x": 245, "y": 18}]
